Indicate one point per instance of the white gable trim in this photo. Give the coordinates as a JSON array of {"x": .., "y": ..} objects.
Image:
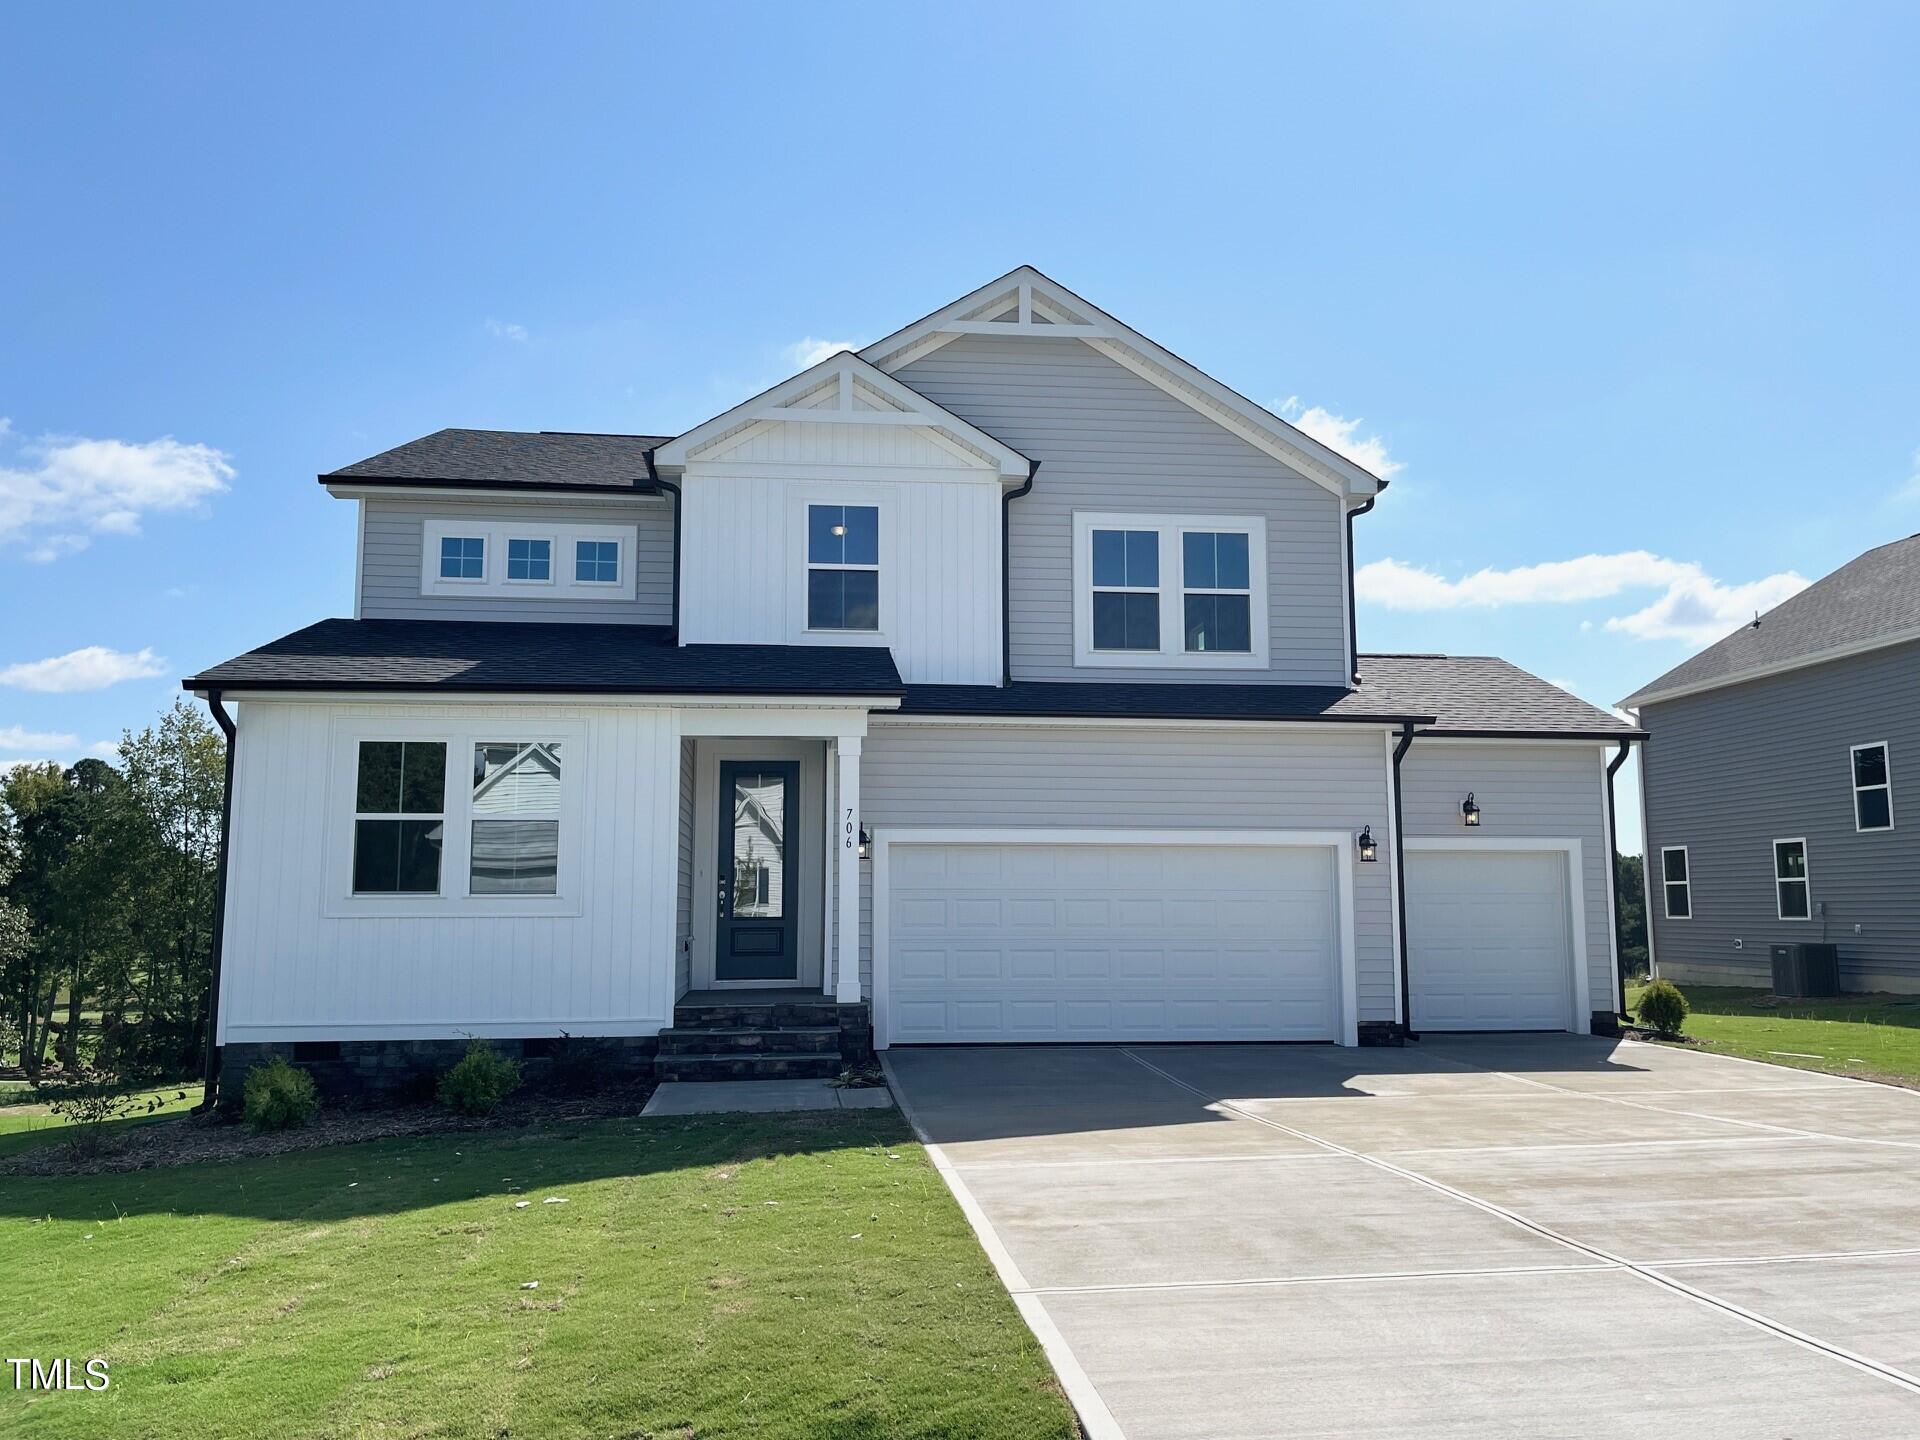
[
  {"x": 803, "y": 399},
  {"x": 1042, "y": 308}
]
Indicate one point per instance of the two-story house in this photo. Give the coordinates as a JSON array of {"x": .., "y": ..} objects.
[
  {"x": 997, "y": 683},
  {"x": 1772, "y": 780}
]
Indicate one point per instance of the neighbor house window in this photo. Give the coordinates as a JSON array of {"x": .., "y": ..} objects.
[
  {"x": 530, "y": 560},
  {"x": 1126, "y": 590},
  {"x": 516, "y": 818},
  {"x": 1872, "y": 787},
  {"x": 843, "y": 567},
  {"x": 1791, "y": 897},
  {"x": 399, "y": 820},
  {"x": 596, "y": 562},
  {"x": 1676, "y": 881},
  {"x": 463, "y": 557},
  {"x": 1216, "y": 591}
]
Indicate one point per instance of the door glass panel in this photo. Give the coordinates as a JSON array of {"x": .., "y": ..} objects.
[{"x": 759, "y": 845}]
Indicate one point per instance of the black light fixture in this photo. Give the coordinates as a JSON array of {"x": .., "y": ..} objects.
[
  {"x": 1369, "y": 851},
  {"x": 1469, "y": 812},
  {"x": 866, "y": 839}
]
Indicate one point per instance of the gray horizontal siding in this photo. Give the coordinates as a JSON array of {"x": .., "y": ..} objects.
[
  {"x": 1044, "y": 777},
  {"x": 390, "y": 564},
  {"x": 1109, "y": 440},
  {"x": 1536, "y": 792},
  {"x": 1732, "y": 770}
]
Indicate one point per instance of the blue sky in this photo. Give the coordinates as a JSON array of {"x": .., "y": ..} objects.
[{"x": 1630, "y": 287}]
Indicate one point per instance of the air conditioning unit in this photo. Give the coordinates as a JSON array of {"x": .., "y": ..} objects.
[{"x": 1803, "y": 971}]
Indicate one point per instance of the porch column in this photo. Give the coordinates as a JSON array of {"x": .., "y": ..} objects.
[{"x": 847, "y": 828}]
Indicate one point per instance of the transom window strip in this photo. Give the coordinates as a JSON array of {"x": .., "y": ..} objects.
[
  {"x": 1126, "y": 589},
  {"x": 843, "y": 567}
]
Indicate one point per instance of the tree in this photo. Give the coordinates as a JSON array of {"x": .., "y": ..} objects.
[{"x": 1630, "y": 871}]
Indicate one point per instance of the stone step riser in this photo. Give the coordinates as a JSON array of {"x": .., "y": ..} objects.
[
  {"x": 754, "y": 1017},
  {"x": 747, "y": 1067},
  {"x": 818, "y": 1041}
]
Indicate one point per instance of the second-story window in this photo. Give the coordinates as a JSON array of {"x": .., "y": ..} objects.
[
  {"x": 1126, "y": 590},
  {"x": 843, "y": 567},
  {"x": 1176, "y": 592},
  {"x": 1218, "y": 593},
  {"x": 596, "y": 562},
  {"x": 463, "y": 557},
  {"x": 530, "y": 560}
]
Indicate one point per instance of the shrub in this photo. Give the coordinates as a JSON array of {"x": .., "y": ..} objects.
[
  {"x": 91, "y": 1106},
  {"x": 1663, "y": 1007},
  {"x": 279, "y": 1096},
  {"x": 581, "y": 1065},
  {"x": 481, "y": 1080}
]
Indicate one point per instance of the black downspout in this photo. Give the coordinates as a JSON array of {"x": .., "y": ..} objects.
[
  {"x": 1353, "y": 621},
  {"x": 1613, "y": 859},
  {"x": 1400, "y": 880},
  {"x": 1006, "y": 572},
  {"x": 673, "y": 490},
  {"x": 211, "y": 1067}
]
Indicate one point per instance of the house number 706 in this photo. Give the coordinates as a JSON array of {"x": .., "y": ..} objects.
[{"x": 849, "y": 828}]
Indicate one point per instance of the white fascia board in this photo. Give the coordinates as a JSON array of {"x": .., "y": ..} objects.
[
  {"x": 1782, "y": 667},
  {"x": 1120, "y": 342}
]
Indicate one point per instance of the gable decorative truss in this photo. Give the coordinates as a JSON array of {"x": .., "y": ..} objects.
[
  {"x": 845, "y": 389},
  {"x": 1026, "y": 304}
]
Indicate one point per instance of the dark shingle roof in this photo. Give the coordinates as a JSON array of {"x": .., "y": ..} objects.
[
  {"x": 510, "y": 459},
  {"x": 443, "y": 655},
  {"x": 1876, "y": 597},
  {"x": 1460, "y": 694}
]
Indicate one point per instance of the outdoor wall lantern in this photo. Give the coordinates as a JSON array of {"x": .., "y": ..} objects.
[
  {"x": 1368, "y": 850},
  {"x": 1469, "y": 812},
  {"x": 866, "y": 839}
]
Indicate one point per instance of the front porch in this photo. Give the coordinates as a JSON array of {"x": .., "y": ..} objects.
[{"x": 763, "y": 1034}]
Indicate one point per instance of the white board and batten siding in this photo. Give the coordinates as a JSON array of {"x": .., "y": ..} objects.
[
  {"x": 306, "y": 960},
  {"x": 1538, "y": 799}
]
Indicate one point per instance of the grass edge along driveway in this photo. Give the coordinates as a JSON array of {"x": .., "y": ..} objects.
[
  {"x": 1872, "y": 1037},
  {"x": 777, "y": 1275}
]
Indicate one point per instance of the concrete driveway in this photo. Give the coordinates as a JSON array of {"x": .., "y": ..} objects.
[{"x": 1491, "y": 1236}]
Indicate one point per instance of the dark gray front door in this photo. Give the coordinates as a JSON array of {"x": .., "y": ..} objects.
[{"x": 759, "y": 886}]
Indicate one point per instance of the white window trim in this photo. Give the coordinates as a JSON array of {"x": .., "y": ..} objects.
[
  {"x": 1666, "y": 906},
  {"x": 1806, "y": 863},
  {"x": 800, "y": 497},
  {"x": 456, "y": 850},
  {"x": 526, "y": 535},
  {"x": 560, "y": 584},
  {"x": 1172, "y": 653},
  {"x": 1886, "y": 752}
]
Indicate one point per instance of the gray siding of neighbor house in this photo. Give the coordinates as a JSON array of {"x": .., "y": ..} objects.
[
  {"x": 390, "y": 563},
  {"x": 1109, "y": 441},
  {"x": 1059, "y": 778},
  {"x": 683, "y": 892},
  {"x": 1729, "y": 771},
  {"x": 1536, "y": 791}
]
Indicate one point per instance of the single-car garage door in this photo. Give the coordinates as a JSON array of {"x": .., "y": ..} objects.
[
  {"x": 1133, "y": 942},
  {"x": 1488, "y": 939}
]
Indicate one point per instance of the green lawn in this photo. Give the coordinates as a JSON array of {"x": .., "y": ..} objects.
[
  {"x": 25, "y": 1125},
  {"x": 747, "y": 1275},
  {"x": 1877, "y": 1036}
]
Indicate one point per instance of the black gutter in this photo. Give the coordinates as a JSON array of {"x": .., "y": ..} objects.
[
  {"x": 1060, "y": 712},
  {"x": 1606, "y": 735},
  {"x": 653, "y": 474},
  {"x": 1613, "y": 878},
  {"x": 1353, "y": 620},
  {"x": 211, "y": 1067},
  {"x": 1400, "y": 881},
  {"x": 410, "y": 687},
  {"x": 1006, "y": 572}
]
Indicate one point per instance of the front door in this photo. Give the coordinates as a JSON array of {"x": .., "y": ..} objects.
[{"x": 759, "y": 890}]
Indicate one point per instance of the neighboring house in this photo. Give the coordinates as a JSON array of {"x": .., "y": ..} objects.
[
  {"x": 1021, "y": 654},
  {"x": 1773, "y": 786}
]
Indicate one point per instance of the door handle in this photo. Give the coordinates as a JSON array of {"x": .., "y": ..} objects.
[{"x": 726, "y": 900}]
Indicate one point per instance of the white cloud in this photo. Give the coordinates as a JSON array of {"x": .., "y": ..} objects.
[
  {"x": 18, "y": 737},
  {"x": 506, "y": 330},
  {"x": 1337, "y": 432},
  {"x": 105, "y": 749},
  {"x": 807, "y": 353},
  {"x": 1694, "y": 607},
  {"x": 92, "y": 668},
  {"x": 63, "y": 490}
]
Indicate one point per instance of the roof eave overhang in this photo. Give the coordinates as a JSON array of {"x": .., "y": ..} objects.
[
  {"x": 356, "y": 487},
  {"x": 841, "y": 696},
  {"x": 1640, "y": 699}
]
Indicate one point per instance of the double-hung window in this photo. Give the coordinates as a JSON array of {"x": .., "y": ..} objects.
[
  {"x": 843, "y": 567},
  {"x": 1216, "y": 591},
  {"x": 1872, "y": 787},
  {"x": 399, "y": 820},
  {"x": 1126, "y": 590},
  {"x": 516, "y": 818},
  {"x": 1170, "y": 591},
  {"x": 530, "y": 560},
  {"x": 1792, "y": 900},
  {"x": 1677, "y": 883},
  {"x": 463, "y": 557}
]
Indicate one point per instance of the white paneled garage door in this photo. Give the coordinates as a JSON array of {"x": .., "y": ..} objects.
[
  {"x": 1136, "y": 942},
  {"x": 1488, "y": 939}
]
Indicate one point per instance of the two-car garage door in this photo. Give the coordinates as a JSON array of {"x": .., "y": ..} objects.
[{"x": 1118, "y": 942}]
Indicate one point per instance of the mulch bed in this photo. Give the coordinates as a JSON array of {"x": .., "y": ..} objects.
[{"x": 190, "y": 1140}]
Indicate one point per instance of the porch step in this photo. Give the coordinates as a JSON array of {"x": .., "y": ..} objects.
[
  {"x": 756, "y": 1015},
  {"x": 753, "y": 1040},
  {"x": 746, "y": 1067}
]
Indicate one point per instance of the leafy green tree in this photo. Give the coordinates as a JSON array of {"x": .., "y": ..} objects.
[{"x": 1631, "y": 871}]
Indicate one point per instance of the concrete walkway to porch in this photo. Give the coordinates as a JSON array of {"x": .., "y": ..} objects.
[{"x": 733, "y": 1097}]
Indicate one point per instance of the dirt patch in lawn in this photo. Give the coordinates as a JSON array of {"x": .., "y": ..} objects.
[{"x": 190, "y": 1140}]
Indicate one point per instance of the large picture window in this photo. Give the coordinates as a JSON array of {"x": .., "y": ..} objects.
[
  {"x": 516, "y": 818},
  {"x": 1791, "y": 884},
  {"x": 1872, "y": 787},
  {"x": 843, "y": 567},
  {"x": 399, "y": 821}
]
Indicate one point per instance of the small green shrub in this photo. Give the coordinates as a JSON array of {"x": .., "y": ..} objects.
[
  {"x": 1663, "y": 1008},
  {"x": 279, "y": 1096},
  {"x": 481, "y": 1080},
  {"x": 93, "y": 1108}
]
